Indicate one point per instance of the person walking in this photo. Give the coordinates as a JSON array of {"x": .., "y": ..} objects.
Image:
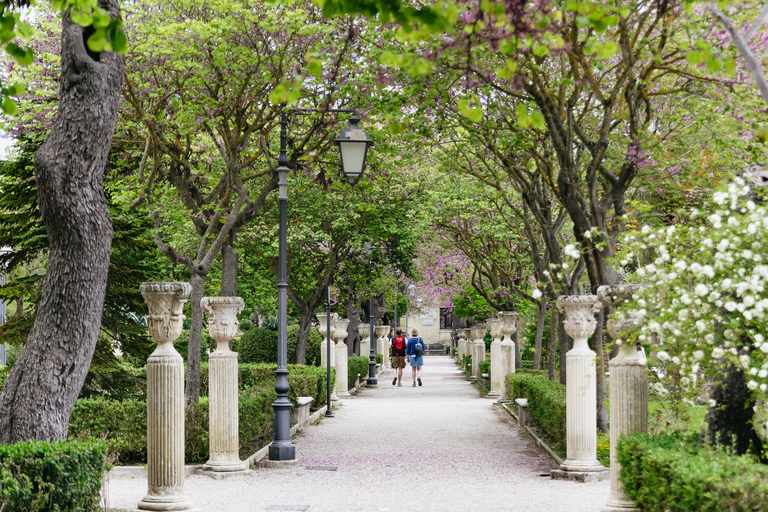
[
  {"x": 415, "y": 355},
  {"x": 399, "y": 344}
]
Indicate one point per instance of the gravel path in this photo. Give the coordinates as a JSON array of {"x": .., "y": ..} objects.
[{"x": 440, "y": 447}]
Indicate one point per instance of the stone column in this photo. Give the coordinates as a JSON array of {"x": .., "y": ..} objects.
[
  {"x": 381, "y": 340},
  {"x": 223, "y": 416},
  {"x": 165, "y": 399},
  {"x": 463, "y": 335},
  {"x": 496, "y": 375},
  {"x": 365, "y": 339},
  {"x": 507, "y": 350},
  {"x": 387, "y": 360},
  {"x": 478, "y": 349},
  {"x": 342, "y": 361},
  {"x": 580, "y": 390},
  {"x": 328, "y": 338},
  {"x": 629, "y": 389}
]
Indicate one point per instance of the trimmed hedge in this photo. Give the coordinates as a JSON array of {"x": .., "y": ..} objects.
[
  {"x": 357, "y": 364},
  {"x": 123, "y": 424},
  {"x": 58, "y": 476},
  {"x": 484, "y": 367},
  {"x": 673, "y": 473},
  {"x": 546, "y": 405},
  {"x": 528, "y": 371},
  {"x": 259, "y": 345}
]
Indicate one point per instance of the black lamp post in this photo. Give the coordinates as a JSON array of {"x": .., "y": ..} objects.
[
  {"x": 372, "y": 381},
  {"x": 354, "y": 145},
  {"x": 328, "y": 411}
]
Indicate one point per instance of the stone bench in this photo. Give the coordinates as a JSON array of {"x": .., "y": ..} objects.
[
  {"x": 522, "y": 411},
  {"x": 300, "y": 413}
]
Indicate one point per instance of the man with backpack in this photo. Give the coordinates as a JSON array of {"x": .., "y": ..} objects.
[
  {"x": 415, "y": 351},
  {"x": 398, "y": 357}
]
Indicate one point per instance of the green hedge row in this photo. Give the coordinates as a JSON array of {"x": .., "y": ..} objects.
[
  {"x": 673, "y": 473},
  {"x": 546, "y": 405},
  {"x": 51, "y": 477},
  {"x": 123, "y": 424},
  {"x": 259, "y": 345},
  {"x": 485, "y": 367},
  {"x": 357, "y": 365}
]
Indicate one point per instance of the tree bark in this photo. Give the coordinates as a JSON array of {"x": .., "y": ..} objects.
[
  {"x": 38, "y": 398},
  {"x": 19, "y": 308},
  {"x": 305, "y": 326},
  {"x": 565, "y": 346},
  {"x": 597, "y": 342},
  {"x": 192, "y": 390},
  {"x": 352, "y": 308},
  {"x": 553, "y": 323},
  {"x": 539, "y": 332},
  {"x": 516, "y": 340},
  {"x": 229, "y": 262}
]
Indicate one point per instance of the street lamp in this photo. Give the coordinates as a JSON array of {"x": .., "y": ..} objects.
[
  {"x": 3, "y": 250},
  {"x": 354, "y": 145}
]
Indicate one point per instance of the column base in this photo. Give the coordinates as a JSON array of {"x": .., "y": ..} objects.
[
  {"x": 281, "y": 464},
  {"x": 334, "y": 397},
  {"x": 493, "y": 395},
  {"x": 580, "y": 476},
  {"x": 616, "y": 504},
  {"x": 225, "y": 475},
  {"x": 224, "y": 467},
  {"x": 343, "y": 394},
  {"x": 175, "y": 502},
  {"x": 503, "y": 400}
]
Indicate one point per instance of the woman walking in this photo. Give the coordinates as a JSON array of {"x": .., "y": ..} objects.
[{"x": 415, "y": 354}]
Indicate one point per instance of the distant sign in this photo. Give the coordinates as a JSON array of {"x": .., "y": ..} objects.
[{"x": 428, "y": 321}]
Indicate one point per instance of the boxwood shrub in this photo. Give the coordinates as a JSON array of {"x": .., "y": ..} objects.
[
  {"x": 259, "y": 345},
  {"x": 484, "y": 367},
  {"x": 357, "y": 365},
  {"x": 676, "y": 474},
  {"x": 546, "y": 405},
  {"x": 56, "y": 476}
]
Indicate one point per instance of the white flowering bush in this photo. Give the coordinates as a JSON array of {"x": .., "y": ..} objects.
[{"x": 707, "y": 293}]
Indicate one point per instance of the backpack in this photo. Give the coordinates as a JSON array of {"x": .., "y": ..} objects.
[
  {"x": 399, "y": 343},
  {"x": 418, "y": 348}
]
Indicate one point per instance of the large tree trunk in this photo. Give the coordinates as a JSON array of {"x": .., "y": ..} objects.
[
  {"x": 597, "y": 342},
  {"x": 553, "y": 323},
  {"x": 516, "y": 341},
  {"x": 229, "y": 262},
  {"x": 192, "y": 390},
  {"x": 305, "y": 325},
  {"x": 41, "y": 390},
  {"x": 539, "y": 332},
  {"x": 19, "y": 308},
  {"x": 565, "y": 346}
]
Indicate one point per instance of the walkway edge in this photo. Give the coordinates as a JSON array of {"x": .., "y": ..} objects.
[{"x": 533, "y": 434}]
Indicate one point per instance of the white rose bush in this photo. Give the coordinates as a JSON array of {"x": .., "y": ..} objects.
[{"x": 706, "y": 297}]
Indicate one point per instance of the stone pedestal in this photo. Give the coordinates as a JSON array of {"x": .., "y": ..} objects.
[
  {"x": 386, "y": 363},
  {"x": 478, "y": 349},
  {"x": 496, "y": 374},
  {"x": 581, "y": 390},
  {"x": 381, "y": 342},
  {"x": 506, "y": 350},
  {"x": 223, "y": 416},
  {"x": 327, "y": 338},
  {"x": 165, "y": 399},
  {"x": 463, "y": 337},
  {"x": 628, "y": 388},
  {"x": 365, "y": 341},
  {"x": 342, "y": 361}
]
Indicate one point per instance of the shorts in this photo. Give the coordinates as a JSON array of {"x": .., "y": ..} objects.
[{"x": 398, "y": 361}]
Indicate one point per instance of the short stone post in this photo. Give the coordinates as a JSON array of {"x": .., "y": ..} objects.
[
  {"x": 342, "y": 361},
  {"x": 328, "y": 338},
  {"x": 496, "y": 375},
  {"x": 381, "y": 340},
  {"x": 629, "y": 390},
  {"x": 580, "y": 392},
  {"x": 223, "y": 416},
  {"x": 165, "y": 399},
  {"x": 478, "y": 349},
  {"x": 507, "y": 350},
  {"x": 365, "y": 341}
]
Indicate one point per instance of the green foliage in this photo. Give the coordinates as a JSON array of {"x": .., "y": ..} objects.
[
  {"x": 259, "y": 345},
  {"x": 468, "y": 364},
  {"x": 379, "y": 359},
  {"x": 4, "y": 371},
  {"x": 123, "y": 424},
  {"x": 182, "y": 345},
  {"x": 357, "y": 365},
  {"x": 603, "y": 448},
  {"x": 676, "y": 474},
  {"x": 546, "y": 403},
  {"x": 246, "y": 325},
  {"x": 58, "y": 476},
  {"x": 485, "y": 367}
]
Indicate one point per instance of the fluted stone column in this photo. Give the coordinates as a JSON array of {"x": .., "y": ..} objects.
[
  {"x": 463, "y": 336},
  {"x": 386, "y": 363},
  {"x": 328, "y": 338},
  {"x": 381, "y": 341},
  {"x": 365, "y": 341},
  {"x": 581, "y": 389},
  {"x": 342, "y": 361},
  {"x": 506, "y": 350},
  {"x": 628, "y": 388},
  {"x": 496, "y": 376},
  {"x": 165, "y": 399},
  {"x": 478, "y": 349},
  {"x": 223, "y": 415}
]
